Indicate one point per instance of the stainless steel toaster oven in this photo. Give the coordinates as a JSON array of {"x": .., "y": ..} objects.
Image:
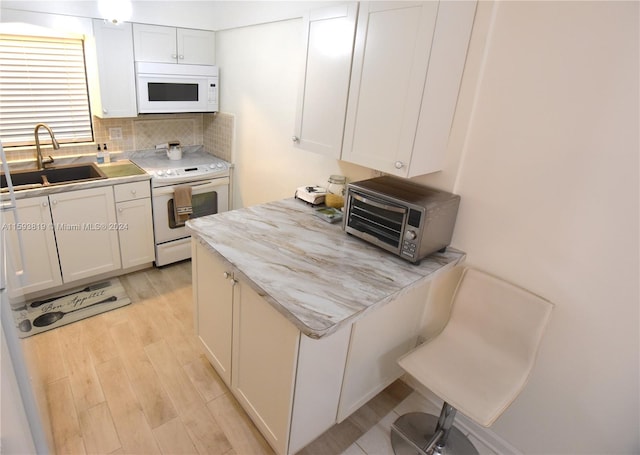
[{"x": 405, "y": 218}]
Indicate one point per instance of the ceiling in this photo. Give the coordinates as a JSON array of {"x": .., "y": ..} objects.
[{"x": 203, "y": 14}]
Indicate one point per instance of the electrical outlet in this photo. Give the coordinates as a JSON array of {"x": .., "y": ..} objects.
[{"x": 115, "y": 134}]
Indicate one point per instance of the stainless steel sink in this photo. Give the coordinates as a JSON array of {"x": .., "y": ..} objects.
[{"x": 59, "y": 175}]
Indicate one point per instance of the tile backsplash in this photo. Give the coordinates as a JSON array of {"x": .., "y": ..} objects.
[
  {"x": 214, "y": 131},
  {"x": 219, "y": 133}
]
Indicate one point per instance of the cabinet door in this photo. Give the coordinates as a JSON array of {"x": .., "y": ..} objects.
[
  {"x": 446, "y": 66},
  {"x": 319, "y": 376},
  {"x": 265, "y": 348},
  {"x": 391, "y": 56},
  {"x": 154, "y": 43},
  {"x": 116, "y": 76},
  {"x": 213, "y": 313},
  {"x": 196, "y": 47},
  {"x": 40, "y": 269},
  {"x": 322, "y": 101},
  {"x": 135, "y": 232},
  {"x": 86, "y": 233},
  {"x": 377, "y": 341}
]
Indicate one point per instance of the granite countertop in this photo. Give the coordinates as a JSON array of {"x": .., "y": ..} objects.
[
  {"x": 117, "y": 172},
  {"x": 122, "y": 169},
  {"x": 311, "y": 271}
]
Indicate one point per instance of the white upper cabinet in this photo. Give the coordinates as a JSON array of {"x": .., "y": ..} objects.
[
  {"x": 390, "y": 63},
  {"x": 196, "y": 47},
  {"x": 115, "y": 91},
  {"x": 405, "y": 73},
  {"x": 407, "y": 67},
  {"x": 322, "y": 101},
  {"x": 156, "y": 43}
]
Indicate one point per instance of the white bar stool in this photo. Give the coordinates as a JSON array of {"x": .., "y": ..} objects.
[{"x": 478, "y": 364}]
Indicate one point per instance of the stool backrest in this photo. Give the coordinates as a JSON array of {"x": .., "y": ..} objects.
[{"x": 500, "y": 314}]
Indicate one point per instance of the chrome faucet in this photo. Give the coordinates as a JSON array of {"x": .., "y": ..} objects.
[{"x": 55, "y": 144}]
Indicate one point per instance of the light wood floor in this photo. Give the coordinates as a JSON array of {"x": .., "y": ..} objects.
[{"x": 134, "y": 381}]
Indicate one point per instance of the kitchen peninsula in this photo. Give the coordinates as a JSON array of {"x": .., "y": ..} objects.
[{"x": 302, "y": 321}]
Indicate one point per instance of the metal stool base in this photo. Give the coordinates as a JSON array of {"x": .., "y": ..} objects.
[{"x": 420, "y": 428}]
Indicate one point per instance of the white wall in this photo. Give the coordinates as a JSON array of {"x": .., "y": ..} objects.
[
  {"x": 549, "y": 186},
  {"x": 259, "y": 78}
]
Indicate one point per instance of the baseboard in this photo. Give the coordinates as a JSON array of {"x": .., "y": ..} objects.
[{"x": 487, "y": 437}]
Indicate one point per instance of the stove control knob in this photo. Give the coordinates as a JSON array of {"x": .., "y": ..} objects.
[
  {"x": 160, "y": 173},
  {"x": 169, "y": 171},
  {"x": 211, "y": 166},
  {"x": 220, "y": 165}
]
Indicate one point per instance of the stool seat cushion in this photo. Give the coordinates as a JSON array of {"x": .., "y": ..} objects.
[{"x": 483, "y": 357}]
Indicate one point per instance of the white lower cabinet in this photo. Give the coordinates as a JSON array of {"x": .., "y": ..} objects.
[
  {"x": 135, "y": 223},
  {"x": 213, "y": 297},
  {"x": 31, "y": 232},
  {"x": 377, "y": 341},
  {"x": 294, "y": 387},
  {"x": 75, "y": 235},
  {"x": 86, "y": 234},
  {"x": 263, "y": 367}
]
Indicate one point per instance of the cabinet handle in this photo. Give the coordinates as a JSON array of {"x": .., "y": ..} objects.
[
  {"x": 234, "y": 282},
  {"x": 54, "y": 202},
  {"x": 226, "y": 275},
  {"x": 174, "y": 56},
  {"x": 120, "y": 210},
  {"x": 45, "y": 204},
  {"x": 133, "y": 191},
  {"x": 399, "y": 164},
  {"x": 295, "y": 139},
  {"x": 105, "y": 111},
  {"x": 181, "y": 57}
]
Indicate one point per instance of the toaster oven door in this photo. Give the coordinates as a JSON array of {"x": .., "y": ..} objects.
[{"x": 375, "y": 220}]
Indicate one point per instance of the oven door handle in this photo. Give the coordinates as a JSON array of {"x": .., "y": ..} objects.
[{"x": 195, "y": 186}]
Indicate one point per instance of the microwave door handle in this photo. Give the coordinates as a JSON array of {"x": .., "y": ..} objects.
[{"x": 378, "y": 204}]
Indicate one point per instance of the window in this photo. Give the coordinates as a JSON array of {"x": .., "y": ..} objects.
[{"x": 43, "y": 80}]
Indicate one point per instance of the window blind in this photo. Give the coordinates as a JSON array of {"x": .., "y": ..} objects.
[{"x": 43, "y": 80}]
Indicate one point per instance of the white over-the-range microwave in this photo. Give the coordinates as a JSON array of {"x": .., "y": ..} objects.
[{"x": 170, "y": 88}]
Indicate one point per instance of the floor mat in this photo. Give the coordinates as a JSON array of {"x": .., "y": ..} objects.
[{"x": 72, "y": 305}]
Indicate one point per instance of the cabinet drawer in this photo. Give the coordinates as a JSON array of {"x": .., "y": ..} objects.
[{"x": 130, "y": 191}]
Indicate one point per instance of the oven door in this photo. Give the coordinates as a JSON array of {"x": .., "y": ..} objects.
[{"x": 208, "y": 197}]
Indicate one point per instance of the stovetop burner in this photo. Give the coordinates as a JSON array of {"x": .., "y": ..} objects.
[{"x": 194, "y": 165}]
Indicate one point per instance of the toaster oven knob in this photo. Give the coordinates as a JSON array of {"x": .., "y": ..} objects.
[{"x": 410, "y": 235}]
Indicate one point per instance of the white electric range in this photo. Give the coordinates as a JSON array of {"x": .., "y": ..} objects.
[{"x": 208, "y": 177}]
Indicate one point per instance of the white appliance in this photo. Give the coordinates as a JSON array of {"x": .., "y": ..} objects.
[
  {"x": 169, "y": 87},
  {"x": 208, "y": 178}
]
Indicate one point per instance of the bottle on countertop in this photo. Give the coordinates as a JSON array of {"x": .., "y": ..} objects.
[{"x": 100, "y": 155}]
